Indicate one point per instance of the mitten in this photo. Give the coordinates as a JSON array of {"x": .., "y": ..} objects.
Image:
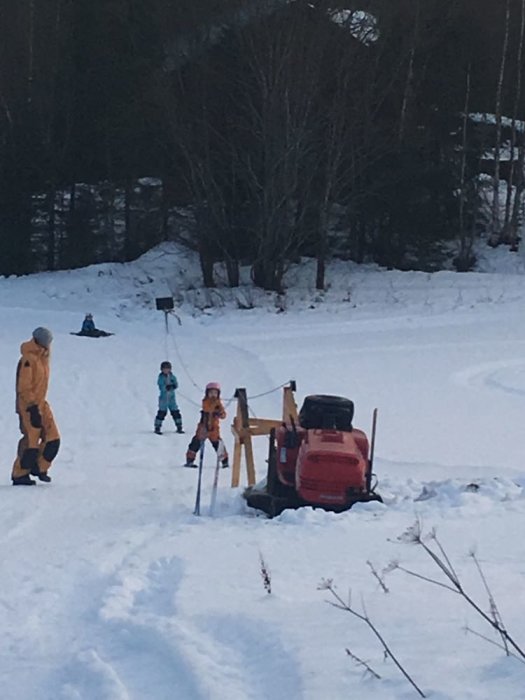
[{"x": 34, "y": 416}]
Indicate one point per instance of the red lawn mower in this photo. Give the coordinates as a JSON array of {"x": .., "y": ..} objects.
[{"x": 323, "y": 461}]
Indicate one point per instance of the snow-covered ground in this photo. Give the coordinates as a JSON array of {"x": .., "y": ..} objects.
[{"x": 113, "y": 590}]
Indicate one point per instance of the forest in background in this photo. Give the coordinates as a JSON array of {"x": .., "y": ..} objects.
[{"x": 257, "y": 131}]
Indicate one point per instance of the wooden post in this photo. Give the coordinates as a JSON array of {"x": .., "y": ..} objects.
[
  {"x": 250, "y": 465},
  {"x": 289, "y": 407},
  {"x": 237, "y": 448},
  {"x": 241, "y": 430},
  {"x": 236, "y": 466}
]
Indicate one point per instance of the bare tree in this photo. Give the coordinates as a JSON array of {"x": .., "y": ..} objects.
[
  {"x": 409, "y": 81},
  {"x": 283, "y": 55},
  {"x": 341, "y": 114},
  {"x": 516, "y": 176},
  {"x": 464, "y": 258},
  {"x": 17, "y": 134},
  {"x": 495, "y": 227}
]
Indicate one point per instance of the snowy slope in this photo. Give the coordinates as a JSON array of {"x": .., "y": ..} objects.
[{"x": 113, "y": 590}]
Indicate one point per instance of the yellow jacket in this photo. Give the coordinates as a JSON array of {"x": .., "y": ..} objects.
[{"x": 32, "y": 375}]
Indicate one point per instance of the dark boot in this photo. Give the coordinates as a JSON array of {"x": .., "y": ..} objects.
[
  {"x": 23, "y": 481},
  {"x": 159, "y": 418},
  {"x": 40, "y": 475},
  {"x": 179, "y": 429}
]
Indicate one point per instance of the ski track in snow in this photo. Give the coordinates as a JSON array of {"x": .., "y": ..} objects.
[
  {"x": 507, "y": 376},
  {"x": 112, "y": 590}
]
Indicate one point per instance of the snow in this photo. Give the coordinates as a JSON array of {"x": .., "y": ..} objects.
[
  {"x": 488, "y": 118},
  {"x": 113, "y": 590},
  {"x": 362, "y": 25}
]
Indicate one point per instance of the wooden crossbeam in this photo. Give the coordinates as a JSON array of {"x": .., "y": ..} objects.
[{"x": 244, "y": 428}]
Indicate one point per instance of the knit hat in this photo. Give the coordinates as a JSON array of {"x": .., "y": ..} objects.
[{"x": 42, "y": 336}]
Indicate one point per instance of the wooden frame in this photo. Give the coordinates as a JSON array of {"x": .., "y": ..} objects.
[{"x": 244, "y": 428}]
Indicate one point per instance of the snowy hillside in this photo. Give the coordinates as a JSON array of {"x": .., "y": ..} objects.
[{"x": 113, "y": 590}]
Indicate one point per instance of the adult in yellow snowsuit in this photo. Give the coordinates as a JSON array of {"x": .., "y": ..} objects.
[
  {"x": 209, "y": 426},
  {"x": 40, "y": 437}
]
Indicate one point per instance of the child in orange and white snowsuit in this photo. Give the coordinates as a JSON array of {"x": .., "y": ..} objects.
[{"x": 208, "y": 426}]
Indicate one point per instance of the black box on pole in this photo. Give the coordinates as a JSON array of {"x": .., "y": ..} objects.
[{"x": 164, "y": 303}]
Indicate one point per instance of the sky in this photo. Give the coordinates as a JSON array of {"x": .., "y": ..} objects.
[{"x": 113, "y": 590}]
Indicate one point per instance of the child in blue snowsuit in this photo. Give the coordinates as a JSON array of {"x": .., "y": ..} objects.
[
  {"x": 167, "y": 383},
  {"x": 88, "y": 324}
]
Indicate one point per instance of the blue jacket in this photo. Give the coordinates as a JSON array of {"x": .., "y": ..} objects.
[
  {"x": 88, "y": 325},
  {"x": 164, "y": 381}
]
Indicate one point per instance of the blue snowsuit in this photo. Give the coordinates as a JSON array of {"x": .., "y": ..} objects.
[
  {"x": 88, "y": 325},
  {"x": 167, "y": 384}
]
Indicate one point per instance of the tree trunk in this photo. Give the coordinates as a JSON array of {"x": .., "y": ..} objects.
[
  {"x": 51, "y": 237},
  {"x": 128, "y": 189},
  {"x": 495, "y": 235},
  {"x": 206, "y": 262},
  {"x": 509, "y": 232},
  {"x": 464, "y": 258},
  {"x": 232, "y": 270},
  {"x": 518, "y": 196},
  {"x": 266, "y": 275},
  {"x": 67, "y": 246},
  {"x": 321, "y": 254},
  {"x": 31, "y": 53},
  {"x": 409, "y": 80},
  {"x": 165, "y": 211}
]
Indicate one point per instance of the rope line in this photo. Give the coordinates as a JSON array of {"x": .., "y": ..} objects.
[
  {"x": 182, "y": 363},
  {"x": 169, "y": 336},
  {"x": 270, "y": 391}
]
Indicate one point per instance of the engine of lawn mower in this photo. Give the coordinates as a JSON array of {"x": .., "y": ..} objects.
[{"x": 324, "y": 459}]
